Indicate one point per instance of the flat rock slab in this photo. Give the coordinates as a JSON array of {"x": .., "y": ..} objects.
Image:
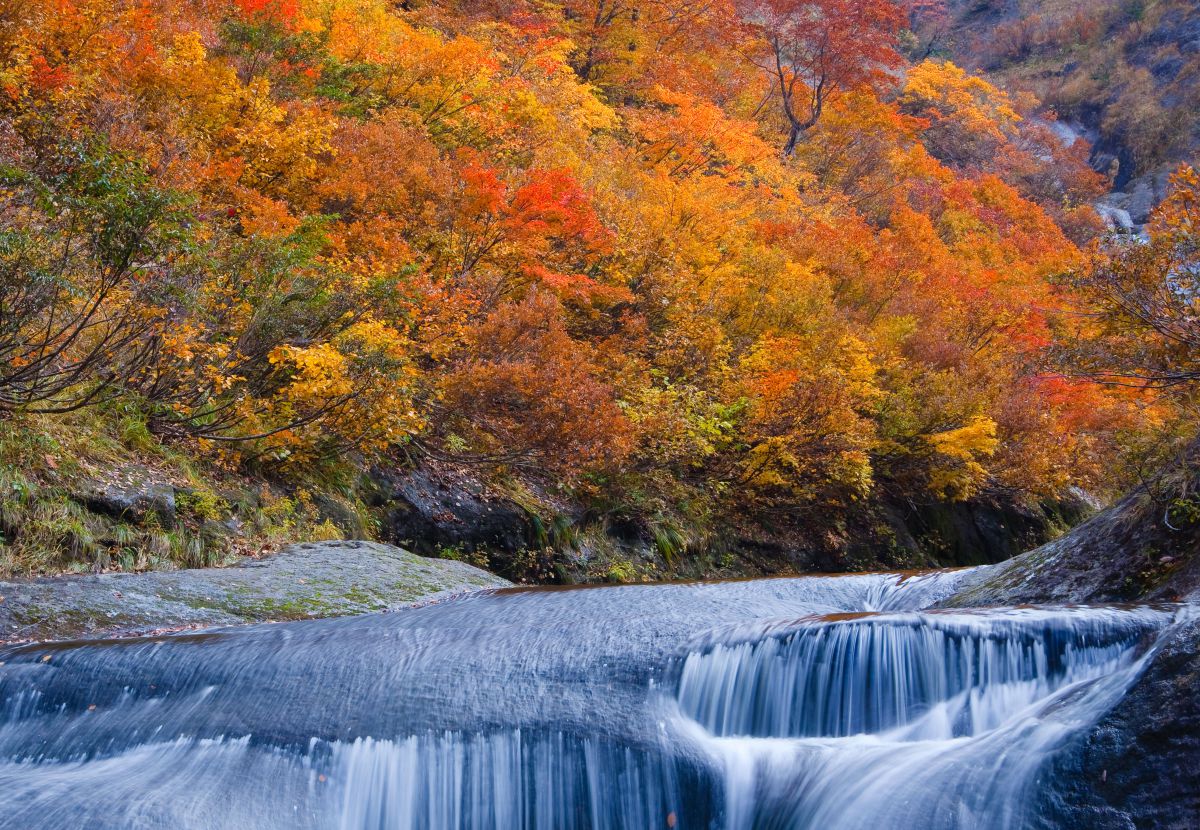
[{"x": 317, "y": 579}]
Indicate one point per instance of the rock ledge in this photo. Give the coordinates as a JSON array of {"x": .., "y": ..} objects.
[{"x": 314, "y": 579}]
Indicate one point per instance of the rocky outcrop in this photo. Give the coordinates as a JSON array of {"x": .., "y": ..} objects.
[
  {"x": 988, "y": 529},
  {"x": 908, "y": 533},
  {"x": 1126, "y": 553},
  {"x": 434, "y": 511},
  {"x": 442, "y": 511},
  {"x": 134, "y": 498},
  {"x": 1140, "y": 767},
  {"x": 319, "y": 579}
]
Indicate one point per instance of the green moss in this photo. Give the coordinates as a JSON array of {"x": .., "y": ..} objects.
[
  {"x": 621, "y": 571},
  {"x": 201, "y": 503}
]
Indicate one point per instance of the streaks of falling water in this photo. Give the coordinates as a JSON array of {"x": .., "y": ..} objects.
[
  {"x": 959, "y": 674},
  {"x": 901, "y": 721},
  {"x": 801, "y": 703},
  {"x": 514, "y": 780}
]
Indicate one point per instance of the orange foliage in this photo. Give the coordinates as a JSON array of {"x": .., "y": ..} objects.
[{"x": 560, "y": 237}]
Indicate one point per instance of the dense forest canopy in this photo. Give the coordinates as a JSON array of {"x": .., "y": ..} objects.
[{"x": 675, "y": 256}]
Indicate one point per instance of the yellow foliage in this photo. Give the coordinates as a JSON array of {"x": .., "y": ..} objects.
[
  {"x": 318, "y": 372},
  {"x": 943, "y": 91},
  {"x": 957, "y": 472}
]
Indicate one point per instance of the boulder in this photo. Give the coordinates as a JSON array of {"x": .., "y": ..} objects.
[
  {"x": 1140, "y": 766},
  {"x": 1127, "y": 553},
  {"x": 132, "y": 500},
  {"x": 1142, "y": 200}
]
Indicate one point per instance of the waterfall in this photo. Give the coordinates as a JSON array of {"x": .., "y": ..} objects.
[
  {"x": 956, "y": 674},
  {"x": 835, "y": 703},
  {"x": 891, "y": 722},
  {"x": 511, "y": 780}
]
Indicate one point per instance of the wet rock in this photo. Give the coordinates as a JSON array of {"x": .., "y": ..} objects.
[
  {"x": 1124, "y": 554},
  {"x": 1140, "y": 766},
  {"x": 911, "y": 533},
  {"x": 131, "y": 501},
  {"x": 319, "y": 579}
]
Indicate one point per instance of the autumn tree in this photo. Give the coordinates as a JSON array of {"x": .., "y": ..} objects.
[
  {"x": 969, "y": 118},
  {"x": 84, "y": 254},
  {"x": 1143, "y": 302},
  {"x": 817, "y": 49},
  {"x": 526, "y": 394}
]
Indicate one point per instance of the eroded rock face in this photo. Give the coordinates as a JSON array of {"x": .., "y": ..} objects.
[
  {"x": 429, "y": 513},
  {"x": 984, "y": 530},
  {"x": 318, "y": 579},
  {"x": 1123, "y": 554},
  {"x": 1140, "y": 767}
]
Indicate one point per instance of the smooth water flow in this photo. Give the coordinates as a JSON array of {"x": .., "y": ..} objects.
[{"x": 816, "y": 702}]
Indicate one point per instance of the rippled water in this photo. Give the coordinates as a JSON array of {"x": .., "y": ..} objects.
[{"x": 819, "y": 702}]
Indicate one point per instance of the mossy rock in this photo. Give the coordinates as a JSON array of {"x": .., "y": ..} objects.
[{"x": 316, "y": 579}]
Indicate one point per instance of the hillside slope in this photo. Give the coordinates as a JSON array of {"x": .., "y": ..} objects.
[
  {"x": 1124, "y": 73},
  {"x": 688, "y": 271}
]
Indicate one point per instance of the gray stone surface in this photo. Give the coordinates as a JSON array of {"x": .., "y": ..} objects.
[
  {"x": 1127, "y": 553},
  {"x": 317, "y": 579},
  {"x": 1142, "y": 200},
  {"x": 429, "y": 512},
  {"x": 130, "y": 501},
  {"x": 1140, "y": 766}
]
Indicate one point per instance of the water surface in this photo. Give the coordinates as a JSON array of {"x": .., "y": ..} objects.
[{"x": 812, "y": 702}]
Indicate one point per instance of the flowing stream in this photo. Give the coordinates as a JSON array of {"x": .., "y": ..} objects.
[{"x": 812, "y": 702}]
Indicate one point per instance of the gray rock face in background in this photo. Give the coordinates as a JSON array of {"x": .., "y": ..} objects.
[
  {"x": 426, "y": 512},
  {"x": 1142, "y": 200},
  {"x": 319, "y": 579},
  {"x": 131, "y": 501},
  {"x": 1129, "y": 211}
]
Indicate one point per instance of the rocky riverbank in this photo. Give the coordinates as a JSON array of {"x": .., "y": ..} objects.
[
  {"x": 1140, "y": 766},
  {"x": 1134, "y": 551},
  {"x": 320, "y": 579}
]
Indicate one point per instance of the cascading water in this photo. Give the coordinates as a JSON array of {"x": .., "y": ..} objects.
[
  {"x": 818, "y": 702},
  {"x": 939, "y": 675}
]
